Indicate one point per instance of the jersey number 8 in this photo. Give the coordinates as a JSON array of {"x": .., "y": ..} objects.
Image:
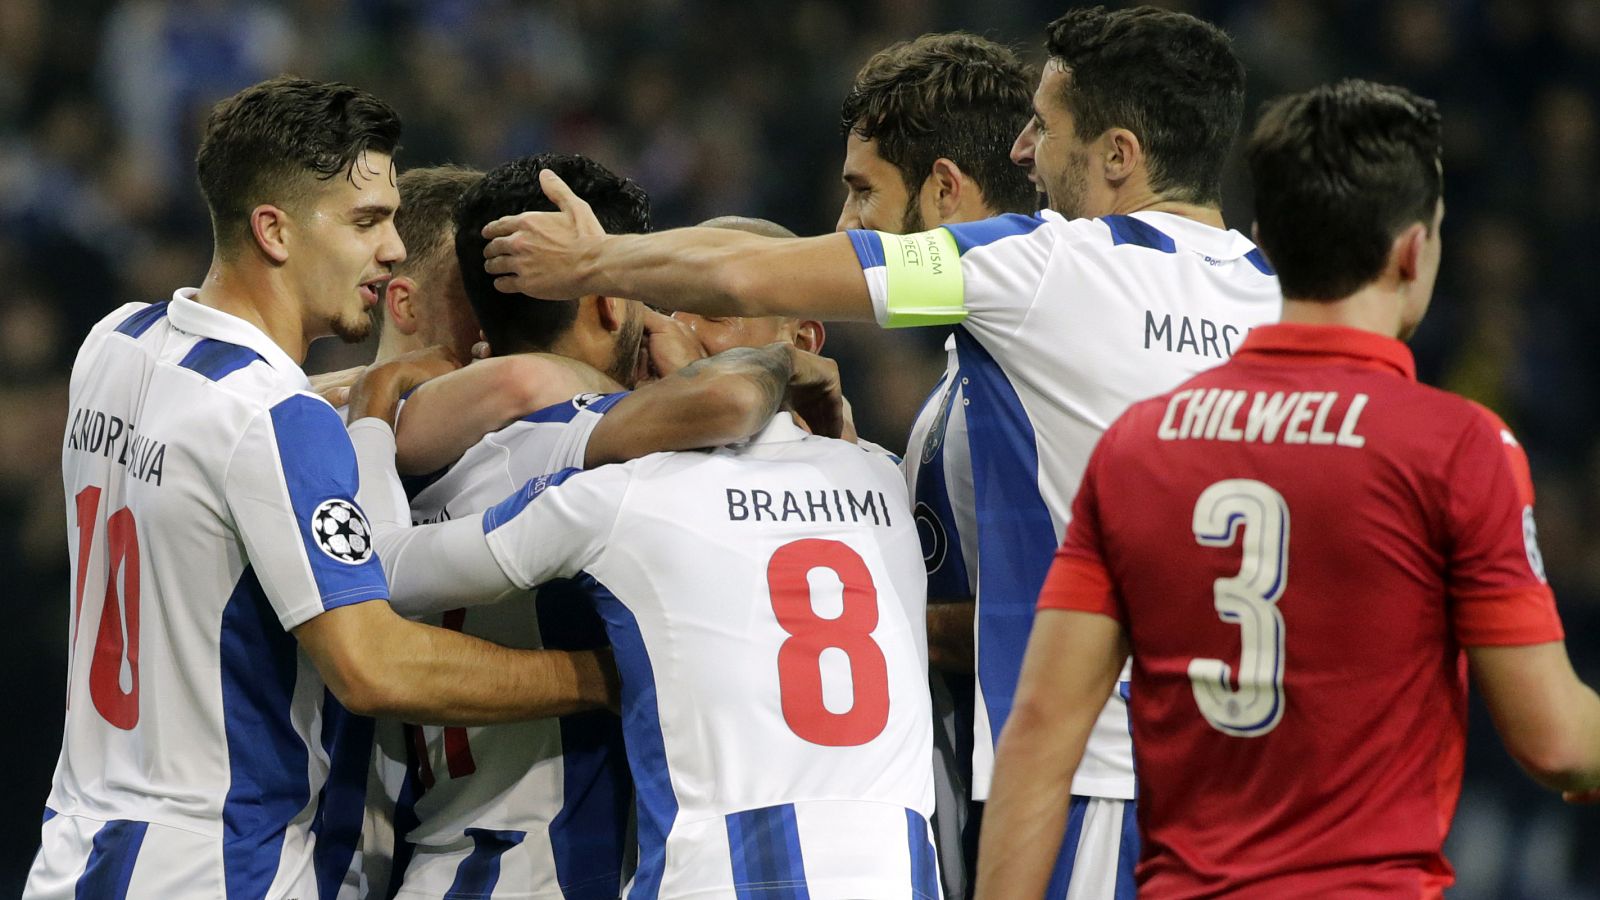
[
  {"x": 1256, "y": 516},
  {"x": 800, "y": 657}
]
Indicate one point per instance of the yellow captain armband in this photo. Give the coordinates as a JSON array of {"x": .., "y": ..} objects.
[{"x": 924, "y": 283}]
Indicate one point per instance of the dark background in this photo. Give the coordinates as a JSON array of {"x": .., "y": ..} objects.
[{"x": 732, "y": 107}]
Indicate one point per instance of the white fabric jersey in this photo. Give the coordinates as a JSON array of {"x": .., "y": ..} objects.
[
  {"x": 212, "y": 507},
  {"x": 765, "y": 603},
  {"x": 525, "y": 809},
  {"x": 1064, "y": 324}
]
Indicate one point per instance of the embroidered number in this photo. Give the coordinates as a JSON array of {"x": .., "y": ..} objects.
[{"x": 1255, "y": 516}]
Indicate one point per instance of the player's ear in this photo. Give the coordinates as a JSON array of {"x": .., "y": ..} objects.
[
  {"x": 269, "y": 229},
  {"x": 809, "y": 335},
  {"x": 1120, "y": 154},
  {"x": 1406, "y": 253},
  {"x": 947, "y": 182},
  {"x": 399, "y": 304},
  {"x": 612, "y": 312}
]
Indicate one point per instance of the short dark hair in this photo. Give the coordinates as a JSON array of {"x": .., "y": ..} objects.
[
  {"x": 426, "y": 218},
  {"x": 1338, "y": 172},
  {"x": 261, "y": 144},
  {"x": 1168, "y": 77},
  {"x": 957, "y": 96},
  {"x": 513, "y": 323}
]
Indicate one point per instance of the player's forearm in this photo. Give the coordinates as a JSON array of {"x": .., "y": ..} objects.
[
  {"x": 448, "y": 415},
  {"x": 719, "y": 400},
  {"x": 950, "y": 637},
  {"x": 1026, "y": 815},
  {"x": 716, "y": 271},
  {"x": 442, "y": 677}
]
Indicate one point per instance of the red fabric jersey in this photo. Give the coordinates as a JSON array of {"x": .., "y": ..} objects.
[{"x": 1299, "y": 543}]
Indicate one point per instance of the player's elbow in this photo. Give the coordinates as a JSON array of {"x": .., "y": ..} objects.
[
  {"x": 1557, "y": 759},
  {"x": 360, "y": 685}
]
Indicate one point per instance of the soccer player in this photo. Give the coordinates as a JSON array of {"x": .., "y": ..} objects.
[
  {"x": 1306, "y": 551},
  {"x": 928, "y": 127},
  {"x": 228, "y": 608},
  {"x": 541, "y": 807},
  {"x": 765, "y": 603},
  {"x": 1064, "y": 320}
]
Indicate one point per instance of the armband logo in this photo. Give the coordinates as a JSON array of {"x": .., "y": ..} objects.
[
  {"x": 1530, "y": 543},
  {"x": 342, "y": 531}
]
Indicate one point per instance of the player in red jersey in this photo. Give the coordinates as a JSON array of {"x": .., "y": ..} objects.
[{"x": 1305, "y": 551}]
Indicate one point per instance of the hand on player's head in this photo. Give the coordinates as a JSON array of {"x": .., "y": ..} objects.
[
  {"x": 669, "y": 343},
  {"x": 537, "y": 253},
  {"x": 815, "y": 393}
]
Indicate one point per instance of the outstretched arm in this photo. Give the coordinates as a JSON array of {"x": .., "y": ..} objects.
[
  {"x": 713, "y": 271},
  {"x": 1548, "y": 718}
]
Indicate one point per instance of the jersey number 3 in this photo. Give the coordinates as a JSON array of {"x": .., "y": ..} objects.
[
  {"x": 800, "y": 657},
  {"x": 118, "y": 635},
  {"x": 1249, "y": 600}
]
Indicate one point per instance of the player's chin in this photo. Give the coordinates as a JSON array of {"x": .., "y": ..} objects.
[{"x": 352, "y": 329}]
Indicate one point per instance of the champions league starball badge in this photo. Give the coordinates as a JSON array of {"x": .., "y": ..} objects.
[{"x": 342, "y": 532}]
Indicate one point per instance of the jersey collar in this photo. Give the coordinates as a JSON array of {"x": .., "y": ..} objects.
[
  {"x": 196, "y": 318},
  {"x": 781, "y": 429},
  {"x": 1319, "y": 343}
]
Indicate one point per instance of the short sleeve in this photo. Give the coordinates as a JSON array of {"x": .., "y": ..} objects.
[
  {"x": 983, "y": 269},
  {"x": 556, "y": 525},
  {"x": 1078, "y": 578},
  {"x": 1495, "y": 575},
  {"x": 554, "y": 438},
  {"x": 291, "y": 489}
]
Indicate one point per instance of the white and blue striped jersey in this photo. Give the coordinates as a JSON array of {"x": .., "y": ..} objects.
[
  {"x": 765, "y": 603},
  {"x": 536, "y": 809},
  {"x": 211, "y": 501},
  {"x": 1063, "y": 324}
]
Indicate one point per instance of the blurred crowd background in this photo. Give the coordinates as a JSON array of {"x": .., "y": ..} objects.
[{"x": 731, "y": 107}]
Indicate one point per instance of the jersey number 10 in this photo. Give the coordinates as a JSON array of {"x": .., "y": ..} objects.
[
  {"x": 118, "y": 636},
  {"x": 800, "y": 657}
]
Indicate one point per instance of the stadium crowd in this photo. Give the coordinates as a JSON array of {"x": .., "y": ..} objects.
[{"x": 722, "y": 108}]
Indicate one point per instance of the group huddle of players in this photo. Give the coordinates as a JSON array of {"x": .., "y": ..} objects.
[{"x": 627, "y": 609}]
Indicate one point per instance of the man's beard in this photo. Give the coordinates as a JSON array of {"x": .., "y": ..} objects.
[
  {"x": 911, "y": 222},
  {"x": 1066, "y": 195},
  {"x": 352, "y": 330},
  {"x": 624, "y": 365}
]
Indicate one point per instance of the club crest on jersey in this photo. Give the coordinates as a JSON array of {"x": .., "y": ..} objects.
[
  {"x": 1530, "y": 543},
  {"x": 342, "y": 531}
]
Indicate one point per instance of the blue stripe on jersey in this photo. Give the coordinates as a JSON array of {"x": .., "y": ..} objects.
[
  {"x": 319, "y": 465},
  {"x": 948, "y": 578},
  {"x": 507, "y": 509},
  {"x": 48, "y": 814},
  {"x": 969, "y": 235},
  {"x": 405, "y": 819},
  {"x": 589, "y": 836},
  {"x": 647, "y": 752},
  {"x": 924, "y": 865},
  {"x": 140, "y": 322},
  {"x": 111, "y": 859},
  {"x": 764, "y": 845},
  {"x": 1061, "y": 875},
  {"x": 1128, "y": 852},
  {"x": 567, "y": 410},
  {"x": 869, "y": 248},
  {"x": 480, "y": 871},
  {"x": 347, "y": 739},
  {"x": 1016, "y": 536},
  {"x": 216, "y": 359},
  {"x": 1128, "y": 230},
  {"x": 1259, "y": 260},
  {"x": 267, "y": 759}
]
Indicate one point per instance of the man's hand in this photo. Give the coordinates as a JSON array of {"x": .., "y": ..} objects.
[
  {"x": 669, "y": 343},
  {"x": 540, "y": 253},
  {"x": 378, "y": 391},
  {"x": 815, "y": 394},
  {"x": 334, "y": 387}
]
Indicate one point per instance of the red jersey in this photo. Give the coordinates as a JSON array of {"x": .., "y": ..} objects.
[{"x": 1299, "y": 543}]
